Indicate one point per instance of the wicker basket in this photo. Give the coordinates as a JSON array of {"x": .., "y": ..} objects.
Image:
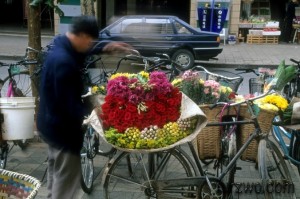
[
  {"x": 16, "y": 185},
  {"x": 209, "y": 140},
  {"x": 265, "y": 119}
]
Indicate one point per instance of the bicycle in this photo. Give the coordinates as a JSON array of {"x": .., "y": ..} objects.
[
  {"x": 162, "y": 62},
  {"x": 130, "y": 169},
  {"x": 287, "y": 136},
  {"x": 93, "y": 143},
  {"x": 292, "y": 89},
  {"x": 13, "y": 91},
  {"x": 20, "y": 74}
]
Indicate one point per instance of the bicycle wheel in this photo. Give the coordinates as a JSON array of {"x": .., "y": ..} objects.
[
  {"x": 296, "y": 150},
  {"x": 23, "y": 84},
  {"x": 129, "y": 176},
  {"x": 3, "y": 156},
  {"x": 272, "y": 167},
  {"x": 87, "y": 165},
  {"x": 229, "y": 150},
  {"x": 102, "y": 147}
]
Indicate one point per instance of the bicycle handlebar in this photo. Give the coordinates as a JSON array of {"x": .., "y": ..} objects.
[
  {"x": 271, "y": 91},
  {"x": 247, "y": 70},
  {"x": 217, "y": 75},
  {"x": 296, "y": 62}
]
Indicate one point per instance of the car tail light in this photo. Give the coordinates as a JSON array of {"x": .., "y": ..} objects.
[{"x": 218, "y": 39}]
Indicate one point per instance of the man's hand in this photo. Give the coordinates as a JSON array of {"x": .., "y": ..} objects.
[{"x": 117, "y": 47}]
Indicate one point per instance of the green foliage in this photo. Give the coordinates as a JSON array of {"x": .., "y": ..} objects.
[
  {"x": 193, "y": 89},
  {"x": 49, "y": 3}
]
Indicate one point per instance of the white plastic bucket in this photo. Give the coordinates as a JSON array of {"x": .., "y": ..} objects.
[{"x": 18, "y": 115}]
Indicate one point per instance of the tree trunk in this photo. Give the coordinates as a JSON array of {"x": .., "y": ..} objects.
[
  {"x": 34, "y": 39},
  {"x": 88, "y": 7}
]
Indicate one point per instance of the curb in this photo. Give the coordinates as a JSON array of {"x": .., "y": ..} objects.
[
  {"x": 235, "y": 65},
  {"x": 11, "y": 57}
]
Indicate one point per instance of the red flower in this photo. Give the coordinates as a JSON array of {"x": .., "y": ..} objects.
[{"x": 162, "y": 107}]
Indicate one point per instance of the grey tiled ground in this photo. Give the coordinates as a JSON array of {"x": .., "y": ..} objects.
[{"x": 32, "y": 161}]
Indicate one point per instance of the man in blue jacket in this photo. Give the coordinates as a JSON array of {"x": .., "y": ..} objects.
[{"x": 61, "y": 110}]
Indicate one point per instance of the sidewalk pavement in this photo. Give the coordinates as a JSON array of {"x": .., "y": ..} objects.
[
  {"x": 13, "y": 46},
  {"x": 32, "y": 161}
]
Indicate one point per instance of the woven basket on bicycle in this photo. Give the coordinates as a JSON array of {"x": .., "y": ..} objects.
[
  {"x": 16, "y": 185},
  {"x": 209, "y": 140},
  {"x": 265, "y": 119}
]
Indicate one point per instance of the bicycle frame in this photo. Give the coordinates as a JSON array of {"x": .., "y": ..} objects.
[
  {"x": 165, "y": 186},
  {"x": 286, "y": 148}
]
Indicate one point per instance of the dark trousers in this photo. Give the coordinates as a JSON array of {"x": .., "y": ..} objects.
[
  {"x": 64, "y": 173},
  {"x": 288, "y": 29}
]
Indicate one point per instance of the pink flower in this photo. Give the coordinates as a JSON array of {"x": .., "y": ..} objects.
[
  {"x": 189, "y": 75},
  {"x": 216, "y": 94},
  {"x": 206, "y": 90}
]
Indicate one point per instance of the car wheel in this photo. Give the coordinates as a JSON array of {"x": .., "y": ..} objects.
[{"x": 185, "y": 58}]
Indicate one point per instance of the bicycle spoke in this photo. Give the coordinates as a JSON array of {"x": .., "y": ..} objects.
[{"x": 134, "y": 173}]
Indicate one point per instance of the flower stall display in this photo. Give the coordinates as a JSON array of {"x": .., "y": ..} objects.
[{"x": 146, "y": 112}]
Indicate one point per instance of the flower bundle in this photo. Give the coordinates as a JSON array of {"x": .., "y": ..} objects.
[
  {"x": 274, "y": 102},
  {"x": 142, "y": 111},
  {"x": 202, "y": 91},
  {"x": 98, "y": 90}
]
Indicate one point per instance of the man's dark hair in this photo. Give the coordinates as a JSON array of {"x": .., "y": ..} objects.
[{"x": 84, "y": 24}]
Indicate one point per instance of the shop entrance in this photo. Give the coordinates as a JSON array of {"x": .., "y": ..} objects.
[
  {"x": 13, "y": 16},
  {"x": 178, "y": 8}
]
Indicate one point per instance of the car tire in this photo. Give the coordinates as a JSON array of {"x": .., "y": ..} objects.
[{"x": 184, "y": 58}]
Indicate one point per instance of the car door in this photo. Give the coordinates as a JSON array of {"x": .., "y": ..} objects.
[
  {"x": 125, "y": 30},
  {"x": 158, "y": 35}
]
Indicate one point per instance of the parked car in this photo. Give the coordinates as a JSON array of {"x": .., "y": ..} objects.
[{"x": 164, "y": 34}]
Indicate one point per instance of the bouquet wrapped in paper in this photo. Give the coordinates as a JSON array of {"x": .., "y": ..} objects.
[{"x": 143, "y": 112}]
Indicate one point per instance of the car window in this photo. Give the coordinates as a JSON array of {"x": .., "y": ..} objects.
[
  {"x": 127, "y": 26},
  {"x": 158, "y": 26},
  {"x": 181, "y": 29}
]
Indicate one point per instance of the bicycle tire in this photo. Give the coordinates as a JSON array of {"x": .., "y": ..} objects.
[
  {"x": 296, "y": 152},
  {"x": 3, "y": 154},
  {"x": 87, "y": 166},
  {"x": 23, "y": 83},
  {"x": 126, "y": 177},
  {"x": 223, "y": 162},
  {"x": 269, "y": 156}
]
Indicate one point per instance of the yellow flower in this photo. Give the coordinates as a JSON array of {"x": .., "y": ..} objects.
[
  {"x": 176, "y": 81},
  {"x": 120, "y": 75},
  {"x": 95, "y": 89},
  {"x": 144, "y": 74},
  {"x": 276, "y": 100},
  {"x": 269, "y": 107},
  {"x": 229, "y": 90},
  {"x": 201, "y": 81}
]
